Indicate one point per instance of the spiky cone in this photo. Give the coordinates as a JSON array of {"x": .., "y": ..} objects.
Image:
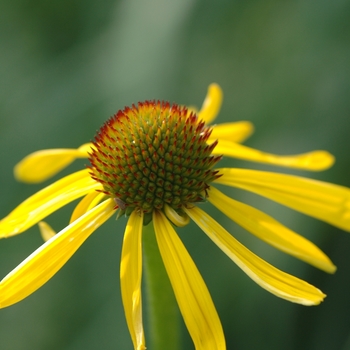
[{"x": 154, "y": 154}]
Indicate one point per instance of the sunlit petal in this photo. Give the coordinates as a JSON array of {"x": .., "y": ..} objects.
[
  {"x": 268, "y": 277},
  {"x": 234, "y": 132},
  {"x": 314, "y": 161},
  {"x": 271, "y": 231},
  {"x": 130, "y": 278},
  {"x": 46, "y": 201},
  {"x": 322, "y": 200},
  {"x": 85, "y": 204},
  {"x": 191, "y": 293},
  {"x": 41, "y": 265},
  {"x": 212, "y": 104},
  {"x": 46, "y": 231},
  {"x": 41, "y": 165}
]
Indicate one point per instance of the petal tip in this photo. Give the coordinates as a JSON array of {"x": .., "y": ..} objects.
[
  {"x": 320, "y": 160},
  {"x": 212, "y": 103},
  {"x": 46, "y": 231}
]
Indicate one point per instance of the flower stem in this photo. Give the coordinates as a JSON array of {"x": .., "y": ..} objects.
[{"x": 163, "y": 314}]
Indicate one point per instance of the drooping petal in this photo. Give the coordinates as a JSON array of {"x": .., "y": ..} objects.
[
  {"x": 191, "y": 293},
  {"x": 130, "y": 278},
  {"x": 321, "y": 200},
  {"x": 41, "y": 165},
  {"x": 88, "y": 202},
  {"x": 46, "y": 201},
  {"x": 41, "y": 265},
  {"x": 268, "y": 277},
  {"x": 314, "y": 161},
  {"x": 271, "y": 231},
  {"x": 175, "y": 218},
  {"x": 212, "y": 104},
  {"x": 46, "y": 231},
  {"x": 234, "y": 132}
]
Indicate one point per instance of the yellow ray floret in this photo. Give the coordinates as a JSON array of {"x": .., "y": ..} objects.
[
  {"x": 175, "y": 218},
  {"x": 46, "y": 231},
  {"x": 85, "y": 204},
  {"x": 191, "y": 293},
  {"x": 314, "y": 161},
  {"x": 271, "y": 231},
  {"x": 46, "y": 201},
  {"x": 234, "y": 132},
  {"x": 130, "y": 278},
  {"x": 268, "y": 277},
  {"x": 41, "y": 165},
  {"x": 322, "y": 200},
  {"x": 212, "y": 104},
  {"x": 41, "y": 265}
]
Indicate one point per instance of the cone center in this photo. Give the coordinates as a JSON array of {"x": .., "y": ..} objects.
[{"x": 154, "y": 154}]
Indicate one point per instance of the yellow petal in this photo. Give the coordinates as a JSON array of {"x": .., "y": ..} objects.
[
  {"x": 175, "y": 218},
  {"x": 46, "y": 201},
  {"x": 271, "y": 231},
  {"x": 41, "y": 165},
  {"x": 41, "y": 265},
  {"x": 46, "y": 231},
  {"x": 314, "y": 161},
  {"x": 234, "y": 132},
  {"x": 321, "y": 200},
  {"x": 130, "y": 278},
  {"x": 88, "y": 202},
  {"x": 212, "y": 104},
  {"x": 191, "y": 293},
  {"x": 268, "y": 277}
]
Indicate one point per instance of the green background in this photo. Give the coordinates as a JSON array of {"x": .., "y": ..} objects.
[{"x": 66, "y": 66}]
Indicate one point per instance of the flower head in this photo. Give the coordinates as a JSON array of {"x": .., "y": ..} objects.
[
  {"x": 155, "y": 163},
  {"x": 152, "y": 155}
]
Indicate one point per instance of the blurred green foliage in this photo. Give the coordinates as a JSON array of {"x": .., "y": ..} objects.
[{"x": 66, "y": 66}]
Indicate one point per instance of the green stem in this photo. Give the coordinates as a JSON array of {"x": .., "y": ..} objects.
[{"x": 161, "y": 302}]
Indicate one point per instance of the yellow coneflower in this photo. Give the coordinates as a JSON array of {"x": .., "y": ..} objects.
[{"x": 155, "y": 163}]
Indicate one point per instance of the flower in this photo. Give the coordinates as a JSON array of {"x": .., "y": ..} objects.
[{"x": 155, "y": 163}]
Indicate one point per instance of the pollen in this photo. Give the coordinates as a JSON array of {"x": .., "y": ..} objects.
[{"x": 154, "y": 154}]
